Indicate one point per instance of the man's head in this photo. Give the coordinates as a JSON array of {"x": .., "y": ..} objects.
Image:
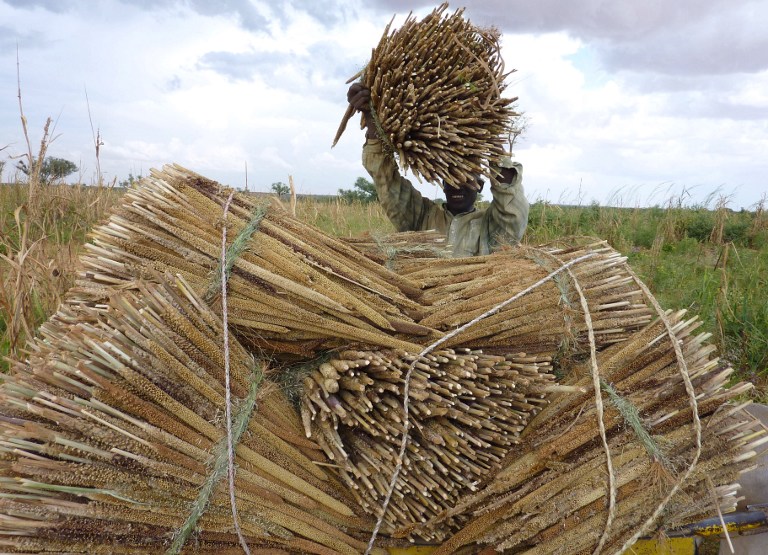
[{"x": 461, "y": 199}]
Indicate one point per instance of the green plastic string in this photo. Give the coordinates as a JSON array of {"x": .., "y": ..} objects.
[
  {"x": 220, "y": 463},
  {"x": 631, "y": 416},
  {"x": 234, "y": 251}
]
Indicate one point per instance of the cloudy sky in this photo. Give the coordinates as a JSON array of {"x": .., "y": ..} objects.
[{"x": 629, "y": 102}]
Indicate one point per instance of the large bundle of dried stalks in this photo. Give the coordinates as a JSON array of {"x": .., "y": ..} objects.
[
  {"x": 566, "y": 490},
  {"x": 434, "y": 383},
  {"x": 293, "y": 289},
  {"x": 547, "y": 320},
  {"x": 112, "y": 440},
  {"x": 436, "y": 96}
]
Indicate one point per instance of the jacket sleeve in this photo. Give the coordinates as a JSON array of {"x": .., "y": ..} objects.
[
  {"x": 406, "y": 208},
  {"x": 507, "y": 216}
]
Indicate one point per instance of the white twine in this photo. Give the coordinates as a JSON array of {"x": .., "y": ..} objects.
[
  {"x": 683, "y": 367},
  {"x": 600, "y": 417},
  {"x": 228, "y": 398},
  {"x": 599, "y": 408}
]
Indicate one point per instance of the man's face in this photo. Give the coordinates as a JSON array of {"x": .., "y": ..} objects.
[{"x": 461, "y": 199}]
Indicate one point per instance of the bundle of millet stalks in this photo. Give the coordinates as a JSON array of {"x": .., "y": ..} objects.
[
  {"x": 436, "y": 96},
  {"x": 112, "y": 440},
  {"x": 539, "y": 393},
  {"x": 293, "y": 289},
  {"x": 616, "y": 454},
  {"x": 468, "y": 409}
]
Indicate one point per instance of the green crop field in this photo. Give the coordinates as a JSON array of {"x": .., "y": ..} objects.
[{"x": 711, "y": 261}]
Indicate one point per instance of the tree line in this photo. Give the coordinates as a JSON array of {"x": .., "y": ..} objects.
[
  {"x": 362, "y": 191},
  {"x": 55, "y": 169}
]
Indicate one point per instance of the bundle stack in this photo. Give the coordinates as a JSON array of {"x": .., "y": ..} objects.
[
  {"x": 110, "y": 441},
  {"x": 553, "y": 495},
  {"x": 467, "y": 410},
  {"x": 297, "y": 291},
  {"x": 436, "y": 96},
  {"x": 293, "y": 289},
  {"x": 111, "y": 432}
]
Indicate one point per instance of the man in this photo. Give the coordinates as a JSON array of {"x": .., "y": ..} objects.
[{"x": 470, "y": 231}]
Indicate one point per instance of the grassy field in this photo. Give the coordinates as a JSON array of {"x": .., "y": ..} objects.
[{"x": 709, "y": 260}]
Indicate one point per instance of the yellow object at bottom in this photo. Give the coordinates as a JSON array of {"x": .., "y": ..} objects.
[{"x": 669, "y": 546}]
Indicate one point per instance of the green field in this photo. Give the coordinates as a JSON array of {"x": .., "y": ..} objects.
[{"x": 711, "y": 261}]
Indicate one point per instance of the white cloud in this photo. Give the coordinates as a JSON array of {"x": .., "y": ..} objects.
[{"x": 216, "y": 87}]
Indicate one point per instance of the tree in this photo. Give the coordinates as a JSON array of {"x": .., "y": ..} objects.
[
  {"x": 364, "y": 191},
  {"x": 52, "y": 169},
  {"x": 56, "y": 168},
  {"x": 280, "y": 189},
  {"x": 130, "y": 181},
  {"x": 2, "y": 163},
  {"x": 519, "y": 127}
]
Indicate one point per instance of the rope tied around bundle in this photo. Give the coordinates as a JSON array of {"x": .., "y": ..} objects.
[
  {"x": 599, "y": 409},
  {"x": 684, "y": 373}
]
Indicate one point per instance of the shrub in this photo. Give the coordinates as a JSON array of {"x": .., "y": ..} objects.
[{"x": 363, "y": 191}]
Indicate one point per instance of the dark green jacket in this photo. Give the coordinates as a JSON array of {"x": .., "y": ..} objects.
[{"x": 472, "y": 233}]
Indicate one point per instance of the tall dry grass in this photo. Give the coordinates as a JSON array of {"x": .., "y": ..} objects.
[
  {"x": 43, "y": 224},
  {"x": 344, "y": 219},
  {"x": 42, "y": 229}
]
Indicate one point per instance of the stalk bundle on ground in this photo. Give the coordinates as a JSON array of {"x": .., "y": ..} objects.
[
  {"x": 550, "y": 319},
  {"x": 468, "y": 410},
  {"x": 544, "y": 402},
  {"x": 112, "y": 440},
  {"x": 553, "y": 494},
  {"x": 292, "y": 288}
]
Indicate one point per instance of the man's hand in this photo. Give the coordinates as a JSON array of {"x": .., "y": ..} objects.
[{"x": 359, "y": 98}]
